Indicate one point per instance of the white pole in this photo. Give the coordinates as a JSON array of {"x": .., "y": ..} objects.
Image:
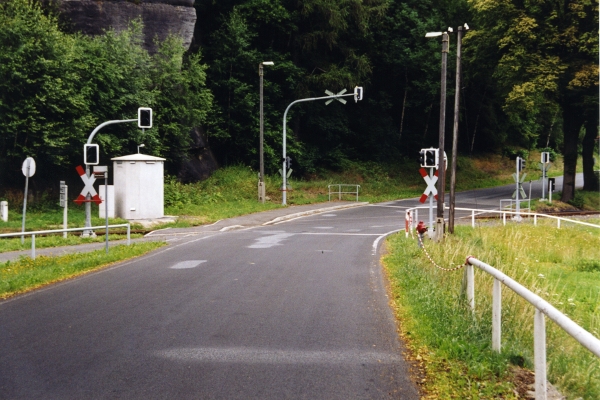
[
  {"x": 539, "y": 354},
  {"x": 25, "y": 200},
  {"x": 65, "y": 214},
  {"x": 470, "y": 286},
  {"x": 496, "y": 316}
]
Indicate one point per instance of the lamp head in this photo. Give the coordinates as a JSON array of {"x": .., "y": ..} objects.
[
  {"x": 433, "y": 34},
  {"x": 268, "y": 63}
]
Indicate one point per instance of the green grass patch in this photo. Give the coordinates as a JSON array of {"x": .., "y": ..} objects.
[
  {"x": 560, "y": 265},
  {"x": 27, "y": 274}
]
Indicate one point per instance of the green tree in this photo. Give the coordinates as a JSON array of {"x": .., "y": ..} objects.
[{"x": 543, "y": 56}]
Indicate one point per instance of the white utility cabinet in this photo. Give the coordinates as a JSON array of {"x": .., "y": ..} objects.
[{"x": 139, "y": 186}]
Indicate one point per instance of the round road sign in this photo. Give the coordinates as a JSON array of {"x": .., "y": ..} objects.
[{"x": 29, "y": 167}]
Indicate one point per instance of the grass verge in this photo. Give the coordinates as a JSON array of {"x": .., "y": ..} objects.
[
  {"x": 27, "y": 274},
  {"x": 454, "y": 346}
]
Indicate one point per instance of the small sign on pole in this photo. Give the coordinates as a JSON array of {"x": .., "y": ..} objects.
[{"x": 28, "y": 170}]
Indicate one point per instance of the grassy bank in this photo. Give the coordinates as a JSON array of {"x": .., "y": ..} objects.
[
  {"x": 27, "y": 274},
  {"x": 560, "y": 265}
]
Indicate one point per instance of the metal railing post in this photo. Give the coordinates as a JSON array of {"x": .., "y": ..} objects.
[
  {"x": 472, "y": 218},
  {"x": 496, "y": 316},
  {"x": 503, "y": 218},
  {"x": 534, "y": 219},
  {"x": 339, "y": 192},
  {"x": 539, "y": 351},
  {"x": 33, "y": 247},
  {"x": 470, "y": 286},
  {"x": 128, "y": 234}
]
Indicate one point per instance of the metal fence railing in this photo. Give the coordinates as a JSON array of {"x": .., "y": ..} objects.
[
  {"x": 542, "y": 307},
  {"x": 34, "y": 233},
  {"x": 341, "y": 189},
  {"x": 412, "y": 217}
]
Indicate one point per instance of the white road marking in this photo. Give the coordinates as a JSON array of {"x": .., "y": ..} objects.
[
  {"x": 244, "y": 355},
  {"x": 323, "y": 227},
  {"x": 188, "y": 264},
  {"x": 266, "y": 242}
]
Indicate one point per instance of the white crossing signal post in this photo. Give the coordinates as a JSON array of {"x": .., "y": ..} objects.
[
  {"x": 330, "y": 98},
  {"x": 144, "y": 120}
]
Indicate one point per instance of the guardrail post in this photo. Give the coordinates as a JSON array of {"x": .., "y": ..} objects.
[
  {"x": 534, "y": 219},
  {"x": 558, "y": 227},
  {"x": 470, "y": 286},
  {"x": 503, "y": 218},
  {"x": 539, "y": 353},
  {"x": 128, "y": 234},
  {"x": 340, "y": 192},
  {"x": 496, "y": 316},
  {"x": 472, "y": 218},
  {"x": 33, "y": 247}
]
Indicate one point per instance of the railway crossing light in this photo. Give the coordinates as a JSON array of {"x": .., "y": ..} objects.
[
  {"x": 431, "y": 158},
  {"x": 545, "y": 157},
  {"x": 520, "y": 164},
  {"x": 422, "y": 158},
  {"x": 144, "y": 117},
  {"x": 91, "y": 154},
  {"x": 358, "y": 93}
]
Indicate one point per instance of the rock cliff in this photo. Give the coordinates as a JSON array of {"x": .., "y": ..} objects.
[{"x": 160, "y": 17}]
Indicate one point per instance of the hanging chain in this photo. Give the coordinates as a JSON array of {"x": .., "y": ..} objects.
[{"x": 431, "y": 259}]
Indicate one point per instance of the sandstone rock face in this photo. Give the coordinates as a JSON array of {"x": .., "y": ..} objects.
[{"x": 160, "y": 17}]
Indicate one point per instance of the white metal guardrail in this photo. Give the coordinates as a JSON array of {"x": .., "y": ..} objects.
[
  {"x": 33, "y": 233},
  {"x": 412, "y": 217},
  {"x": 542, "y": 307},
  {"x": 341, "y": 189}
]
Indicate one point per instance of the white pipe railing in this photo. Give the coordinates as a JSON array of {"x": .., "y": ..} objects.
[
  {"x": 340, "y": 192},
  {"x": 33, "y": 233},
  {"x": 542, "y": 307},
  {"x": 413, "y": 213}
]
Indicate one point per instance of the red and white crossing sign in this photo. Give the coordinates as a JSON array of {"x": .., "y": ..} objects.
[
  {"x": 430, "y": 181},
  {"x": 88, "y": 181}
]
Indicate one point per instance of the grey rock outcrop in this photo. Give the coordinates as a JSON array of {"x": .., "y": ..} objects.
[{"x": 160, "y": 17}]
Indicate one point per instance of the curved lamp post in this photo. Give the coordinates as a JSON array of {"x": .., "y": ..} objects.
[{"x": 261, "y": 178}]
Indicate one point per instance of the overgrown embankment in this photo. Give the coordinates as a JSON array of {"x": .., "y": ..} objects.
[{"x": 454, "y": 346}]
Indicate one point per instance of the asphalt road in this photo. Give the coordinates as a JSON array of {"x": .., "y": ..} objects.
[
  {"x": 239, "y": 310},
  {"x": 291, "y": 310}
]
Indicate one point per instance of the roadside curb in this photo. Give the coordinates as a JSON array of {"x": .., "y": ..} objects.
[{"x": 311, "y": 212}]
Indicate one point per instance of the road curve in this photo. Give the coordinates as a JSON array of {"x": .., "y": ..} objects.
[{"x": 291, "y": 310}]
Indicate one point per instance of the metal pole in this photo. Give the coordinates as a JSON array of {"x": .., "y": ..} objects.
[
  {"x": 261, "y": 184},
  {"x": 441, "y": 165},
  {"x": 517, "y": 216},
  {"x": 65, "y": 210},
  {"x": 455, "y": 130},
  {"x": 431, "y": 206},
  {"x": 497, "y": 316},
  {"x": 106, "y": 206},
  {"x": 88, "y": 206},
  {"x": 284, "y": 189},
  {"x": 25, "y": 200},
  {"x": 539, "y": 354}
]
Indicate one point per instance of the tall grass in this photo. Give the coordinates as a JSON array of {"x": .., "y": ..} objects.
[{"x": 560, "y": 265}]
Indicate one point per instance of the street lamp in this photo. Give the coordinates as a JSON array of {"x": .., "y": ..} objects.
[
  {"x": 455, "y": 129},
  {"x": 261, "y": 178},
  {"x": 441, "y": 164},
  {"x": 141, "y": 145}
]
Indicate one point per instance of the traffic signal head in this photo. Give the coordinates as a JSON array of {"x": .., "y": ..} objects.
[
  {"x": 91, "y": 154},
  {"x": 545, "y": 157},
  {"x": 422, "y": 158},
  {"x": 431, "y": 158},
  {"x": 520, "y": 164},
  {"x": 358, "y": 93},
  {"x": 288, "y": 162},
  {"x": 144, "y": 117}
]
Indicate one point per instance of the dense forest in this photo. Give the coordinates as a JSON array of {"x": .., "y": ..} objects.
[{"x": 529, "y": 80}]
